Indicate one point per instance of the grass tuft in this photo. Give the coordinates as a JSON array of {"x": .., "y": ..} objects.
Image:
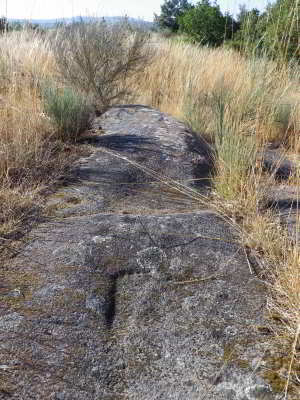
[{"x": 69, "y": 111}]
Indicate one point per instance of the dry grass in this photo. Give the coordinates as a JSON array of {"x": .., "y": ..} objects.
[
  {"x": 29, "y": 153},
  {"x": 14, "y": 208},
  {"x": 281, "y": 268},
  {"x": 238, "y": 104},
  {"x": 24, "y": 60},
  {"x": 41, "y": 105},
  {"x": 185, "y": 81},
  {"x": 241, "y": 105}
]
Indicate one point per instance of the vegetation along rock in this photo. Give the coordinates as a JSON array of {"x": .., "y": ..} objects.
[{"x": 130, "y": 294}]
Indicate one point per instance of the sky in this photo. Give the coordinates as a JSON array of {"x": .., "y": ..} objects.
[{"x": 49, "y": 9}]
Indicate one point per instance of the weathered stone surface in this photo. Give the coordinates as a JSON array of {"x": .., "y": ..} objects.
[
  {"x": 10, "y": 321},
  {"x": 285, "y": 201},
  {"x": 132, "y": 289},
  {"x": 278, "y": 164},
  {"x": 283, "y": 198}
]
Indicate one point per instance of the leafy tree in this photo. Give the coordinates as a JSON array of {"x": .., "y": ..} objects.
[
  {"x": 3, "y": 24},
  {"x": 15, "y": 26},
  {"x": 231, "y": 26},
  {"x": 171, "y": 10},
  {"x": 205, "y": 23}
]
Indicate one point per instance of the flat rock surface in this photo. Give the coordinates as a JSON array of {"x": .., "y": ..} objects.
[{"x": 131, "y": 288}]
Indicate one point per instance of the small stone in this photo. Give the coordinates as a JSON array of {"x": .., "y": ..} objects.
[
  {"x": 95, "y": 371},
  {"x": 175, "y": 264},
  {"x": 49, "y": 290},
  {"x": 259, "y": 392},
  {"x": 10, "y": 321},
  {"x": 151, "y": 259},
  {"x": 60, "y": 396},
  {"x": 96, "y": 303},
  {"x": 15, "y": 293},
  {"x": 231, "y": 331},
  {"x": 101, "y": 239}
]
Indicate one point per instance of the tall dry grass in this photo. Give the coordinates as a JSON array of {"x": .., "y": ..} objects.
[
  {"x": 25, "y": 60},
  {"x": 241, "y": 105},
  {"x": 184, "y": 80},
  {"x": 238, "y": 104},
  {"x": 50, "y": 85},
  {"x": 28, "y": 155}
]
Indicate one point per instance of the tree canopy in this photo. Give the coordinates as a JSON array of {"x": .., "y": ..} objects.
[
  {"x": 274, "y": 32},
  {"x": 170, "y": 12},
  {"x": 206, "y": 24}
]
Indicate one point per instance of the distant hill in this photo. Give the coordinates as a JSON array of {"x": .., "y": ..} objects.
[{"x": 49, "y": 23}]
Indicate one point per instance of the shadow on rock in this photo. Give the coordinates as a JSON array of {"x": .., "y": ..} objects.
[{"x": 122, "y": 142}]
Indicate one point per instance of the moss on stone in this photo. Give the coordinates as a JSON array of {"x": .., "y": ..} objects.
[
  {"x": 277, "y": 368},
  {"x": 24, "y": 281},
  {"x": 275, "y": 380}
]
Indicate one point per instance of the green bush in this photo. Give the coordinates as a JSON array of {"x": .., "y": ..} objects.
[
  {"x": 234, "y": 149},
  {"x": 171, "y": 10},
  {"x": 206, "y": 24},
  {"x": 69, "y": 111},
  {"x": 274, "y": 33},
  {"x": 235, "y": 152},
  {"x": 101, "y": 59}
]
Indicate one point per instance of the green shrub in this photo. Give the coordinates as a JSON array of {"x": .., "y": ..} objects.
[
  {"x": 100, "y": 59},
  {"x": 206, "y": 24},
  {"x": 171, "y": 10},
  {"x": 235, "y": 151},
  {"x": 275, "y": 32},
  {"x": 235, "y": 160},
  {"x": 69, "y": 111}
]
